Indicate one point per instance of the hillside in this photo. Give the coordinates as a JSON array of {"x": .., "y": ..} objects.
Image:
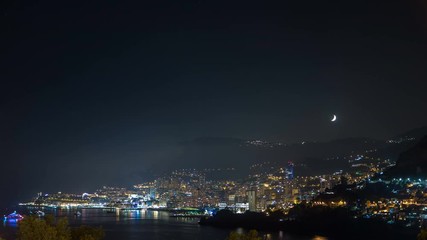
[{"x": 413, "y": 162}]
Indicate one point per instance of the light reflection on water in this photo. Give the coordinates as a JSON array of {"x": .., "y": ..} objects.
[
  {"x": 154, "y": 225},
  {"x": 319, "y": 238}
]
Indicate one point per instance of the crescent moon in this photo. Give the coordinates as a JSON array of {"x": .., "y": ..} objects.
[{"x": 334, "y": 118}]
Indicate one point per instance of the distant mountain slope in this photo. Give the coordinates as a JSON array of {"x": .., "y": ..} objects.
[
  {"x": 310, "y": 157},
  {"x": 416, "y": 133},
  {"x": 412, "y": 162}
]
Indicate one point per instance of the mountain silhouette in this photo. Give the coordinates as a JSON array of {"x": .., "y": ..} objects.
[{"x": 412, "y": 163}]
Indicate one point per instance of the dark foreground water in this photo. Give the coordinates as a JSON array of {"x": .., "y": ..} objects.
[{"x": 149, "y": 225}]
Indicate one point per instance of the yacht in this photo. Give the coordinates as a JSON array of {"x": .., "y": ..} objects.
[{"x": 13, "y": 217}]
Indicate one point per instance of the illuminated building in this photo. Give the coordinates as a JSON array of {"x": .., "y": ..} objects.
[
  {"x": 252, "y": 199},
  {"x": 290, "y": 171}
]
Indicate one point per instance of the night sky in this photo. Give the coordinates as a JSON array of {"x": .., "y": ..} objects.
[{"x": 98, "y": 92}]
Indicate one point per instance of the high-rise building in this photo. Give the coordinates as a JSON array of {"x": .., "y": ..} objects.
[
  {"x": 324, "y": 184},
  {"x": 252, "y": 199},
  {"x": 290, "y": 171}
]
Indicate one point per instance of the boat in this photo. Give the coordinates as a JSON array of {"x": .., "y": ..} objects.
[
  {"x": 13, "y": 217},
  {"x": 40, "y": 213},
  {"x": 111, "y": 211},
  {"x": 188, "y": 215},
  {"x": 130, "y": 209}
]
